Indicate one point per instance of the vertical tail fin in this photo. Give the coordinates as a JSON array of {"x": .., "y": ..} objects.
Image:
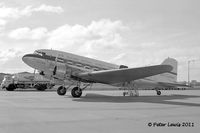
[{"x": 170, "y": 76}]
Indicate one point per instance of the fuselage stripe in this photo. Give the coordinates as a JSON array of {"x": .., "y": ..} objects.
[{"x": 69, "y": 62}]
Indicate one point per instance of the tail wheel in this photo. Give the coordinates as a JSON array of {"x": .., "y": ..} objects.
[
  {"x": 61, "y": 90},
  {"x": 76, "y": 92},
  {"x": 158, "y": 92}
]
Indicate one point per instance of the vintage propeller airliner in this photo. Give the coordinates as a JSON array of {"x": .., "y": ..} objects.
[{"x": 78, "y": 69}]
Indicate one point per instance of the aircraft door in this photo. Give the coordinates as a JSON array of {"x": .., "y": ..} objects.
[{"x": 60, "y": 68}]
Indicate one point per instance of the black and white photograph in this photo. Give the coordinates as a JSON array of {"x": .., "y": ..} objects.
[{"x": 99, "y": 66}]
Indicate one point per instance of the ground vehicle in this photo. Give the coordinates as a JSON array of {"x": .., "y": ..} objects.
[{"x": 26, "y": 80}]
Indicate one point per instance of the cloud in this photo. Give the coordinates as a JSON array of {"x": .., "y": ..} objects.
[
  {"x": 11, "y": 61},
  {"x": 103, "y": 36},
  {"x": 2, "y": 22},
  {"x": 118, "y": 58},
  {"x": 106, "y": 40},
  {"x": 7, "y": 13},
  {"x": 100, "y": 39},
  {"x": 13, "y": 12},
  {"x": 48, "y": 8},
  {"x": 27, "y": 33},
  {"x": 10, "y": 53},
  {"x": 98, "y": 35}
]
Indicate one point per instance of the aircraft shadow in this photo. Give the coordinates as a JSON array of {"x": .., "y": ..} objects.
[{"x": 165, "y": 99}]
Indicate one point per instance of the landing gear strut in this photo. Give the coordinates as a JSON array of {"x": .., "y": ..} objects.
[{"x": 132, "y": 89}]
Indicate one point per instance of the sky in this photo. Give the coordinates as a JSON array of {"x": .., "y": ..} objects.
[{"x": 130, "y": 32}]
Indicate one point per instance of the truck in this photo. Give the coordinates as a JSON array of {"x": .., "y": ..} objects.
[{"x": 26, "y": 80}]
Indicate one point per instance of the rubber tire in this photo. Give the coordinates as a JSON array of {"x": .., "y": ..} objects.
[
  {"x": 158, "y": 93},
  {"x": 61, "y": 90},
  {"x": 11, "y": 87},
  {"x": 75, "y": 93}
]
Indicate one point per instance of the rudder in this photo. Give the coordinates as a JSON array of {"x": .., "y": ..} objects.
[{"x": 170, "y": 76}]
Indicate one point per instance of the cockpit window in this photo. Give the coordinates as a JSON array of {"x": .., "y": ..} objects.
[{"x": 40, "y": 53}]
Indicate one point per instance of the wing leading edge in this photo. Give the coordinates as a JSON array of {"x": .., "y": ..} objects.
[{"x": 124, "y": 75}]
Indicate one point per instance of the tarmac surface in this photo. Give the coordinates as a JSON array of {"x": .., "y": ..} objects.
[{"x": 30, "y": 111}]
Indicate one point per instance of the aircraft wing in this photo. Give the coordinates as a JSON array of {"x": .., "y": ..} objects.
[{"x": 124, "y": 75}]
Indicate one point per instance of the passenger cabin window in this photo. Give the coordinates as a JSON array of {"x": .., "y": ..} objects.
[
  {"x": 87, "y": 67},
  {"x": 69, "y": 63},
  {"x": 95, "y": 69},
  {"x": 60, "y": 60},
  {"x": 79, "y": 65}
]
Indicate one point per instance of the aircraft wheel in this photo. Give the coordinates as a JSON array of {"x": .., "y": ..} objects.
[
  {"x": 76, "y": 92},
  {"x": 61, "y": 90},
  {"x": 158, "y": 92},
  {"x": 11, "y": 87}
]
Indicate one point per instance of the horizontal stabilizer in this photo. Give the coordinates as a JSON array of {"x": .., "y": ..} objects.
[{"x": 165, "y": 84}]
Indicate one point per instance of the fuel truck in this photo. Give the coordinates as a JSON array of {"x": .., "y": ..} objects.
[{"x": 26, "y": 80}]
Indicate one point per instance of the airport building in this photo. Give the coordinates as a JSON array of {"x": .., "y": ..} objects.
[{"x": 195, "y": 84}]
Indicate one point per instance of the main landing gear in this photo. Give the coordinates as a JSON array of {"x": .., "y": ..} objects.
[
  {"x": 76, "y": 92},
  {"x": 132, "y": 89}
]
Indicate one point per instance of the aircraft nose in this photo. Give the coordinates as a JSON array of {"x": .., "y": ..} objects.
[
  {"x": 33, "y": 61},
  {"x": 27, "y": 59}
]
